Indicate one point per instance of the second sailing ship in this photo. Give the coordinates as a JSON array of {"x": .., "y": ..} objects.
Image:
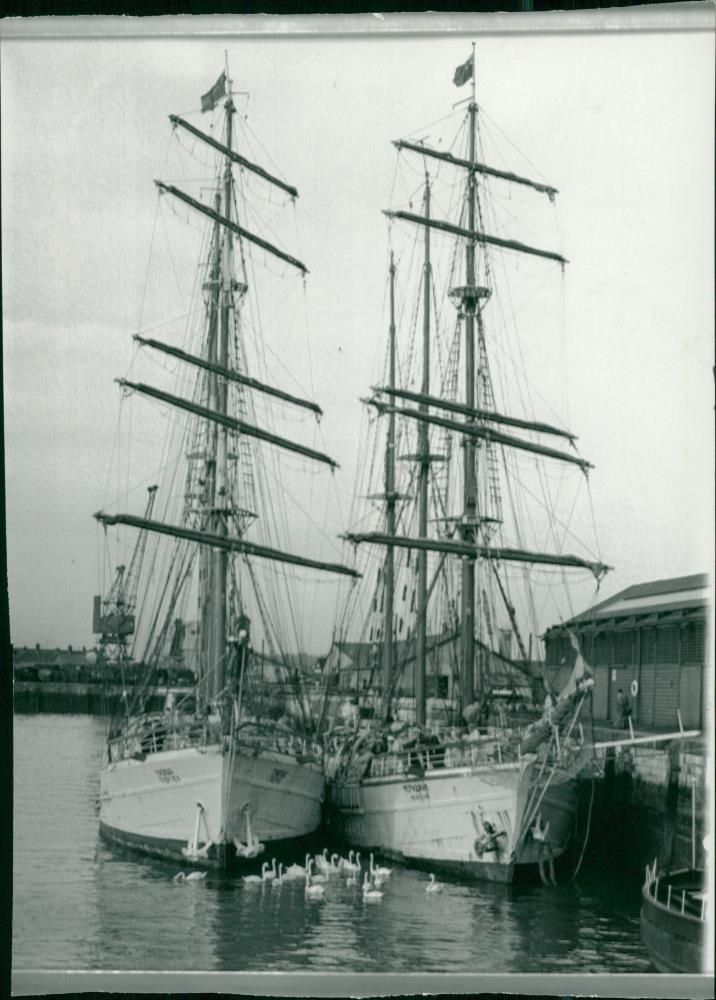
[{"x": 490, "y": 802}]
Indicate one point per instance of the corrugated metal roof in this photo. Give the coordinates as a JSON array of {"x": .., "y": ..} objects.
[{"x": 656, "y": 597}]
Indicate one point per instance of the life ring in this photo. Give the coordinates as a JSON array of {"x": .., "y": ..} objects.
[{"x": 634, "y": 688}]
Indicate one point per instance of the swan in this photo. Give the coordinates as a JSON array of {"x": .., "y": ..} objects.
[
  {"x": 352, "y": 866},
  {"x": 191, "y": 877},
  {"x": 432, "y": 885},
  {"x": 351, "y": 879},
  {"x": 294, "y": 872},
  {"x": 322, "y": 861},
  {"x": 257, "y": 879},
  {"x": 368, "y": 892},
  {"x": 313, "y": 891},
  {"x": 316, "y": 878},
  {"x": 335, "y": 863},
  {"x": 378, "y": 870},
  {"x": 347, "y": 864},
  {"x": 279, "y": 877},
  {"x": 271, "y": 873}
]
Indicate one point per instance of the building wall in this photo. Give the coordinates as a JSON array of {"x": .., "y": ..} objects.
[{"x": 666, "y": 661}]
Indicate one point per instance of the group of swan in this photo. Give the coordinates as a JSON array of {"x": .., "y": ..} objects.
[{"x": 350, "y": 867}]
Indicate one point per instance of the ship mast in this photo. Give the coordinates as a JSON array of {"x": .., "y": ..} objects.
[
  {"x": 219, "y": 500},
  {"x": 390, "y": 500},
  {"x": 424, "y": 459},
  {"x": 217, "y": 531},
  {"x": 468, "y": 525},
  {"x": 475, "y": 419}
]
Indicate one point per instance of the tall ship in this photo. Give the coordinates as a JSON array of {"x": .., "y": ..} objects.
[
  {"x": 467, "y": 545},
  {"x": 225, "y": 770}
]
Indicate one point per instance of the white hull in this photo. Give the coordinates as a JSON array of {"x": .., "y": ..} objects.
[
  {"x": 439, "y": 819},
  {"x": 172, "y": 797}
]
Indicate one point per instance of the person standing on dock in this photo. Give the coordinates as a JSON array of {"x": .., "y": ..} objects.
[{"x": 624, "y": 709}]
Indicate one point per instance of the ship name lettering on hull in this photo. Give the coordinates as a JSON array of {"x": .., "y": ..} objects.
[{"x": 417, "y": 790}]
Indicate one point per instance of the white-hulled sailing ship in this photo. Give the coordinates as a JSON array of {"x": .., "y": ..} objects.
[
  {"x": 229, "y": 772},
  {"x": 449, "y": 572}
]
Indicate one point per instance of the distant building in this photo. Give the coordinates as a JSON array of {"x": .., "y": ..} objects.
[
  {"x": 650, "y": 641},
  {"x": 50, "y": 664}
]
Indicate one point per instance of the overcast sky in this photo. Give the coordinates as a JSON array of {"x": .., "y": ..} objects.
[{"x": 622, "y": 125}]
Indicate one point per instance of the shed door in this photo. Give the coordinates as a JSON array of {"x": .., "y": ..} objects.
[
  {"x": 600, "y": 693},
  {"x": 666, "y": 695},
  {"x": 690, "y": 696},
  {"x": 645, "y": 700}
]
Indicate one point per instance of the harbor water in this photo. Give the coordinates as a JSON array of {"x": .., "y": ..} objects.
[{"x": 80, "y": 904}]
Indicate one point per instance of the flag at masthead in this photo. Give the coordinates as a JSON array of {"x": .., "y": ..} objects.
[
  {"x": 463, "y": 73},
  {"x": 211, "y": 97}
]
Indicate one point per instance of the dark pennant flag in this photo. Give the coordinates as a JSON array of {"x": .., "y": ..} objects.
[{"x": 209, "y": 100}]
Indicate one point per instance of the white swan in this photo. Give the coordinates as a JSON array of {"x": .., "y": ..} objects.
[
  {"x": 257, "y": 879},
  {"x": 370, "y": 893},
  {"x": 315, "y": 878},
  {"x": 294, "y": 872},
  {"x": 347, "y": 864},
  {"x": 279, "y": 878},
  {"x": 432, "y": 885},
  {"x": 313, "y": 891},
  {"x": 335, "y": 863},
  {"x": 271, "y": 873},
  {"x": 191, "y": 877},
  {"x": 322, "y": 861},
  {"x": 378, "y": 870}
]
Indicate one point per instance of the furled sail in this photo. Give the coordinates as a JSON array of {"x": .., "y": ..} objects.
[
  {"x": 233, "y": 226},
  {"x": 475, "y": 550},
  {"x": 479, "y": 168},
  {"x": 233, "y": 155},
  {"x": 228, "y": 373},
  {"x": 231, "y": 422},
  {"x": 225, "y": 542},
  {"x": 484, "y": 433},
  {"x": 468, "y": 411},
  {"x": 471, "y": 234}
]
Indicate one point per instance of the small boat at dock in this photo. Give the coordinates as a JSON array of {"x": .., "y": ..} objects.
[{"x": 674, "y": 913}]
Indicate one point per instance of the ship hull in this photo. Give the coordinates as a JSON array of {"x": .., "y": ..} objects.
[
  {"x": 439, "y": 820},
  {"x": 673, "y": 925},
  {"x": 170, "y": 800}
]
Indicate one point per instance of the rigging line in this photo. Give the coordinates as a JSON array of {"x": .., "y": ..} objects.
[
  {"x": 549, "y": 509},
  {"x": 594, "y": 519},
  {"x": 515, "y": 147}
]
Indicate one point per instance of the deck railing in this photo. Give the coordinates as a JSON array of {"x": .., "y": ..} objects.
[
  {"x": 680, "y": 899},
  {"x": 444, "y": 756},
  {"x": 156, "y": 736}
]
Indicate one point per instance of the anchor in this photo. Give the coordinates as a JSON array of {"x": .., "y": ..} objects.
[
  {"x": 253, "y": 847},
  {"x": 540, "y": 834},
  {"x": 192, "y": 851}
]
